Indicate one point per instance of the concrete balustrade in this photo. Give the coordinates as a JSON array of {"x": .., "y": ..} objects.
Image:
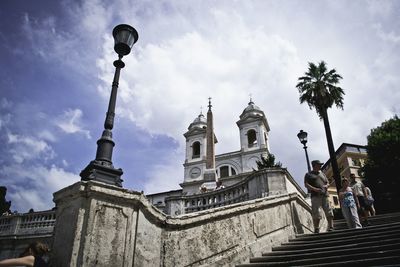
[
  {"x": 28, "y": 223},
  {"x": 17, "y": 231},
  {"x": 104, "y": 225},
  {"x": 262, "y": 183}
]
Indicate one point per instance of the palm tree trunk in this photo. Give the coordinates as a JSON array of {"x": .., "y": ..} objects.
[{"x": 335, "y": 168}]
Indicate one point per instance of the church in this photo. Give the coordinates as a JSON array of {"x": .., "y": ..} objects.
[{"x": 203, "y": 169}]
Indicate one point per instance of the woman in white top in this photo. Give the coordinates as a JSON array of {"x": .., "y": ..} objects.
[{"x": 349, "y": 203}]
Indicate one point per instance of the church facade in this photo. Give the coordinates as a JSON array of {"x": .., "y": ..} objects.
[
  {"x": 202, "y": 168},
  {"x": 253, "y": 133}
]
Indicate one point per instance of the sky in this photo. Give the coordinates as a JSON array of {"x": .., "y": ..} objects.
[{"x": 56, "y": 73}]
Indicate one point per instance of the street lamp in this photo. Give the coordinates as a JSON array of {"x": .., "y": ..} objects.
[
  {"x": 102, "y": 169},
  {"x": 303, "y": 139}
]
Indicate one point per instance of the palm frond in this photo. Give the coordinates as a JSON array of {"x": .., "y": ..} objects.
[{"x": 318, "y": 87}]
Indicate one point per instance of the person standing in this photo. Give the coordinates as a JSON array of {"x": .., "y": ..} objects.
[
  {"x": 349, "y": 205},
  {"x": 359, "y": 189},
  {"x": 370, "y": 201},
  {"x": 317, "y": 184}
]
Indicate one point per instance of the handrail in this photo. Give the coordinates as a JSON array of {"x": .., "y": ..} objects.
[{"x": 28, "y": 223}]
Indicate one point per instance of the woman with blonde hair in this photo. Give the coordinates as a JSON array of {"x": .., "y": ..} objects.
[
  {"x": 349, "y": 205},
  {"x": 32, "y": 257}
]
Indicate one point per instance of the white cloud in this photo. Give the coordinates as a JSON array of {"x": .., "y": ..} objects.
[
  {"x": 188, "y": 51},
  {"x": 391, "y": 36},
  {"x": 33, "y": 185},
  {"x": 70, "y": 123},
  {"x": 167, "y": 176},
  {"x": 380, "y": 8},
  {"x": 164, "y": 84},
  {"x": 25, "y": 148},
  {"x": 47, "y": 135},
  {"x": 5, "y": 103}
]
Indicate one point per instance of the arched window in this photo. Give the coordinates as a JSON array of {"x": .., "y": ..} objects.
[
  {"x": 225, "y": 171},
  {"x": 196, "y": 150},
  {"x": 252, "y": 138}
]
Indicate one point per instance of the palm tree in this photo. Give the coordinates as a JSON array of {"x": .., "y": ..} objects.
[{"x": 318, "y": 89}]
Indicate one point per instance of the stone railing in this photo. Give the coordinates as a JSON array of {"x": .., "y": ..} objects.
[
  {"x": 217, "y": 198},
  {"x": 262, "y": 183},
  {"x": 103, "y": 225},
  {"x": 34, "y": 223}
]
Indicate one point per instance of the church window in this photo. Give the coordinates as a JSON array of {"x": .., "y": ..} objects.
[
  {"x": 224, "y": 171},
  {"x": 252, "y": 138},
  {"x": 196, "y": 150}
]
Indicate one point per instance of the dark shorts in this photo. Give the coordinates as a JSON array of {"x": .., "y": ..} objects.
[{"x": 363, "y": 204}]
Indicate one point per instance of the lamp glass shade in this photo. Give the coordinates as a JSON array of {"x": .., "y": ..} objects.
[
  {"x": 124, "y": 38},
  {"x": 302, "y": 136}
]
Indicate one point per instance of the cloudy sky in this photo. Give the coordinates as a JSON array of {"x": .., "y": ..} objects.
[{"x": 56, "y": 72}]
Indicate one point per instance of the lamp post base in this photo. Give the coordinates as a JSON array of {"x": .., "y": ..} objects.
[{"x": 102, "y": 173}]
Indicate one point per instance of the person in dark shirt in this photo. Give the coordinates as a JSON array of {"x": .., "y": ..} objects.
[
  {"x": 32, "y": 257},
  {"x": 317, "y": 184}
]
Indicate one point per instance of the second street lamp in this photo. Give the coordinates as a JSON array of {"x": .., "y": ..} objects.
[
  {"x": 102, "y": 169},
  {"x": 303, "y": 139}
]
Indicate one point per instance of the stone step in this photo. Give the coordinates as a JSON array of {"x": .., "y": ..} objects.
[
  {"x": 330, "y": 259},
  {"x": 390, "y": 261},
  {"x": 332, "y": 251},
  {"x": 346, "y": 233},
  {"x": 355, "y": 239},
  {"x": 378, "y": 217},
  {"x": 376, "y": 245},
  {"x": 375, "y": 220},
  {"x": 328, "y": 248}
]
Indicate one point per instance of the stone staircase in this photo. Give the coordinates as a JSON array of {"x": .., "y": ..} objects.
[{"x": 375, "y": 245}]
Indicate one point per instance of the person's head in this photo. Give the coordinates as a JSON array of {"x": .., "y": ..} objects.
[
  {"x": 219, "y": 183},
  {"x": 36, "y": 249},
  {"x": 316, "y": 165},
  {"x": 345, "y": 182},
  {"x": 352, "y": 177}
]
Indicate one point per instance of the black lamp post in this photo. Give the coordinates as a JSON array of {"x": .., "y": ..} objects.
[
  {"x": 303, "y": 139},
  {"x": 102, "y": 169}
]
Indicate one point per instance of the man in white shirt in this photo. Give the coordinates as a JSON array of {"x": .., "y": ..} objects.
[{"x": 360, "y": 191}]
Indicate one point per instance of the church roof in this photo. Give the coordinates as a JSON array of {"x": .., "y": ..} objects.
[
  {"x": 199, "y": 122},
  {"x": 251, "y": 110}
]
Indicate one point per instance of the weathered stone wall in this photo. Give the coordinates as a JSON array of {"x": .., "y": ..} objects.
[{"x": 103, "y": 225}]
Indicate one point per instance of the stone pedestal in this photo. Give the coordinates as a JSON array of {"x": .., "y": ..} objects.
[
  {"x": 97, "y": 225},
  {"x": 209, "y": 175}
]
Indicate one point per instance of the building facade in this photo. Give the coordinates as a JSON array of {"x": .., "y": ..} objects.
[
  {"x": 202, "y": 168},
  {"x": 350, "y": 158},
  {"x": 253, "y": 133}
]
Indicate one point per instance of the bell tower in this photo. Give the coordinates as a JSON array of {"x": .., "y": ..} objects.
[{"x": 254, "y": 135}]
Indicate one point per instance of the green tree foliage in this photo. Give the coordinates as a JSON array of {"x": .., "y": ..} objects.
[
  {"x": 268, "y": 162},
  {"x": 318, "y": 88},
  {"x": 4, "y": 205},
  {"x": 381, "y": 170}
]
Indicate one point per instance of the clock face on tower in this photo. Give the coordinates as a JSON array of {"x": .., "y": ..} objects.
[{"x": 195, "y": 172}]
